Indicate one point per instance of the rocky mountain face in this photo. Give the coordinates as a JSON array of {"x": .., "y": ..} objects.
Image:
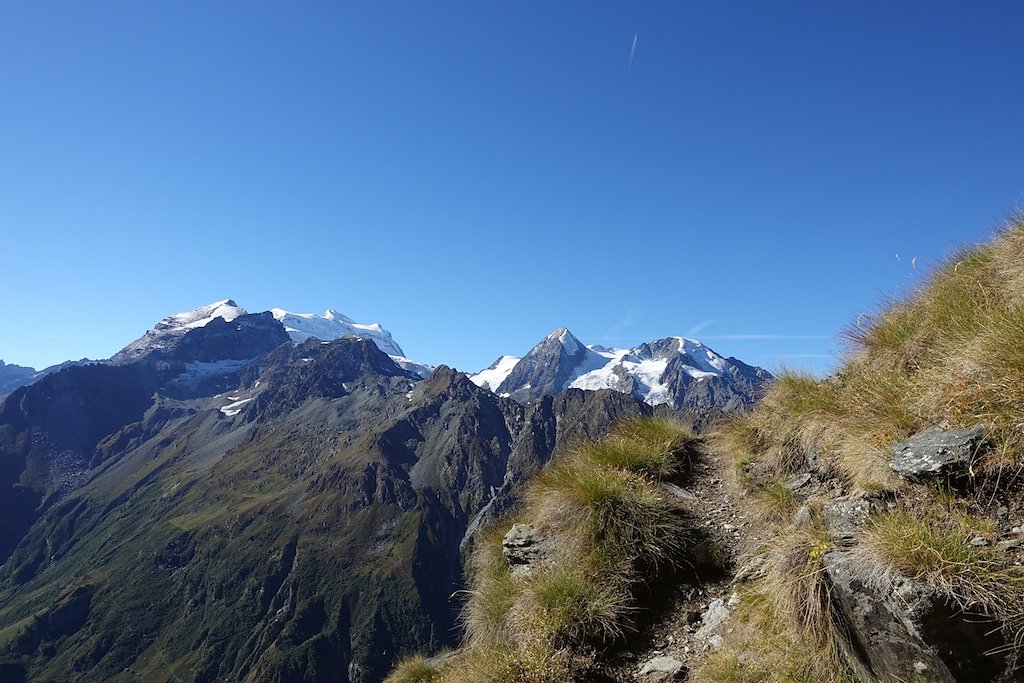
[
  {"x": 14, "y": 376},
  {"x": 678, "y": 372},
  {"x": 219, "y": 502}
]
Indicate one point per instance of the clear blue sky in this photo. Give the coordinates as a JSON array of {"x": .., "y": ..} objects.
[{"x": 474, "y": 174}]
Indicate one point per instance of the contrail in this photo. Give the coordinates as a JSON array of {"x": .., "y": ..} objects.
[{"x": 632, "y": 50}]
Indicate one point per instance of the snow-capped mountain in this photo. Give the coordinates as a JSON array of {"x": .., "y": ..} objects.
[
  {"x": 676, "y": 371},
  {"x": 493, "y": 376},
  {"x": 167, "y": 334},
  {"x": 333, "y": 325}
]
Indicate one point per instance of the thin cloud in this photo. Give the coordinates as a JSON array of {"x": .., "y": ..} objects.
[
  {"x": 630, "y": 317},
  {"x": 696, "y": 329},
  {"x": 759, "y": 336}
]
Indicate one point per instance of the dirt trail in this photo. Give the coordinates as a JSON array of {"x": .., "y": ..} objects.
[{"x": 673, "y": 629}]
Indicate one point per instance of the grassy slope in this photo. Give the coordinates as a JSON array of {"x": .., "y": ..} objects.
[
  {"x": 950, "y": 354},
  {"x": 608, "y": 526},
  {"x": 180, "y": 562}
]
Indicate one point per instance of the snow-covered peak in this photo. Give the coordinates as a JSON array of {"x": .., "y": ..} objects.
[
  {"x": 706, "y": 359},
  {"x": 657, "y": 372},
  {"x": 568, "y": 341},
  {"x": 199, "y": 317},
  {"x": 492, "y": 377},
  {"x": 166, "y": 333},
  {"x": 331, "y": 314},
  {"x": 333, "y": 325}
]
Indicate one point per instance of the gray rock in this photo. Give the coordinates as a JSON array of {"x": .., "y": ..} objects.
[
  {"x": 661, "y": 669},
  {"x": 936, "y": 453},
  {"x": 1009, "y": 544},
  {"x": 900, "y": 630},
  {"x": 802, "y": 517},
  {"x": 522, "y": 548},
  {"x": 753, "y": 569},
  {"x": 799, "y": 481},
  {"x": 712, "y": 619},
  {"x": 845, "y": 517},
  {"x": 678, "y": 491}
]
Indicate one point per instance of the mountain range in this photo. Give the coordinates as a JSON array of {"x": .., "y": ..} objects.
[{"x": 286, "y": 497}]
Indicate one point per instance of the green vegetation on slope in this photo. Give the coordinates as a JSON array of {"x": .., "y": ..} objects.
[
  {"x": 950, "y": 354},
  {"x": 606, "y": 525}
]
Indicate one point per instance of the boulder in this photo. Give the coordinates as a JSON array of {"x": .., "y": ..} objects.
[
  {"x": 798, "y": 482},
  {"x": 904, "y": 630},
  {"x": 936, "y": 453}
]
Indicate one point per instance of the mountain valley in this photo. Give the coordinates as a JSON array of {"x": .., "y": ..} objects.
[{"x": 276, "y": 496}]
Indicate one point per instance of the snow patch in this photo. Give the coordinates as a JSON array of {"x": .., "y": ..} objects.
[
  {"x": 492, "y": 377},
  {"x": 235, "y": 408}
]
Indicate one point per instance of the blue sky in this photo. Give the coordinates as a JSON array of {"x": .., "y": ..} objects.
[{"x": 475, "y": 174}]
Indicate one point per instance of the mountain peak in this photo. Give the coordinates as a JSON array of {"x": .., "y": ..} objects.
[
  {"x": 333, "y": 325},
  {"x": 331, "y": 314},
  {"x": 567, "y": 339},
  {"x": 659, "y": 371},
  {"x": 198, "y": 317}
]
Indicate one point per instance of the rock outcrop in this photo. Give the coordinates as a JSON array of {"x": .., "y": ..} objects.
[{"x": 936, "y": 453}]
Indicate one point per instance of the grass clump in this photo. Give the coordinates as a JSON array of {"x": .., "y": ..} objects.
[
  {"x": 415, "y": 669},
  {"x": 605, "y": 524},
  {"x": 785, "y": 629},
  {"x": 777, "y": 502},
  {"x": 939, "y": 550},
  {"x": 652, "y": 446},
  {"x": 610, "y": 518},
  {"x": 572, "y": 608}
]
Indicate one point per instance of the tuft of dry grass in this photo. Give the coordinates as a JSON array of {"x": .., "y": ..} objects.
[
  {"x": 413, "y": 670},
  {"x": 936, "y": 548},
  {"x": 622, "y": 519},
  {"x": 656, "y": 447},
  {"x": 785, "y": 628}
]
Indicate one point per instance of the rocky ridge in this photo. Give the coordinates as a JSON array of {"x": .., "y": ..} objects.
[{"x": 675, "y": 371}]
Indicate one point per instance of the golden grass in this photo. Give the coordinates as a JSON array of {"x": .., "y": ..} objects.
[
  {"x": 950, "y": 353},
  {"x": 413, "y": 670},
  {"x": 936, "y": 548},
  {"x": 785, "y": 629},
  {"x": 651, "y": 446}
]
